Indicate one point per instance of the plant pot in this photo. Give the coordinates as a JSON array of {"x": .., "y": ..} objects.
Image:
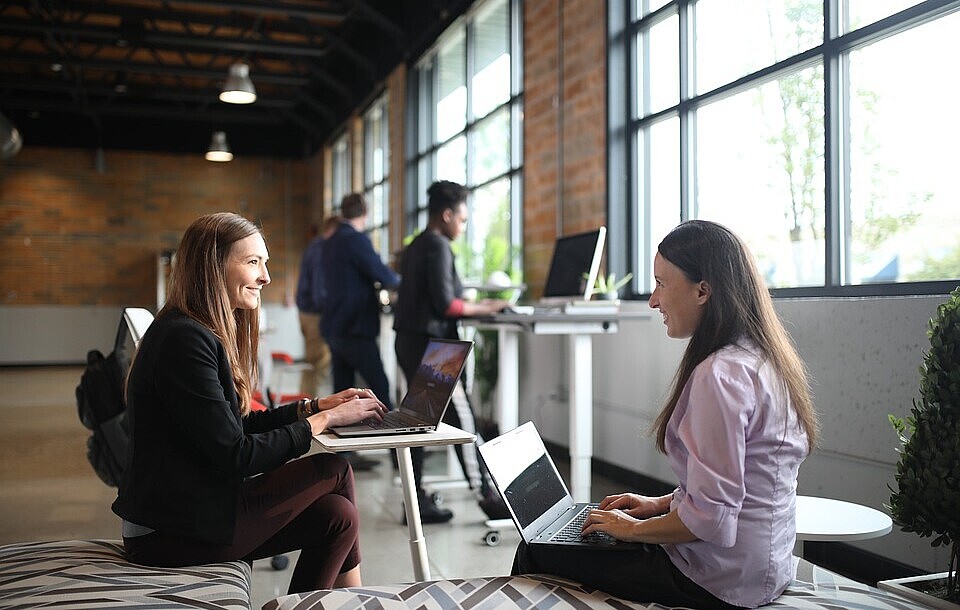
[{"x": 915, "y": 587}]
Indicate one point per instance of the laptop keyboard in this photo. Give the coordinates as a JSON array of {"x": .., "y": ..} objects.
[
  {"x": 571, "y": 531},
  {"x": 393, "y": 419}
]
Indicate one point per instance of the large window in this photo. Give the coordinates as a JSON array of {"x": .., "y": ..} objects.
[
  {"x": 815, "y": 129},
  {"x": 467, "y": 108},
  {"x": 376, "y": 174},
  {"x": 341, "y": 170}
]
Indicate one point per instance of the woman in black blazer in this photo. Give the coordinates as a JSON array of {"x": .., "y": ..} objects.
[{"x": 206, "y": 479}]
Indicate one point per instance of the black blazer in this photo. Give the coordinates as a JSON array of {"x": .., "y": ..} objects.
[{"x": 189, "y": 447}]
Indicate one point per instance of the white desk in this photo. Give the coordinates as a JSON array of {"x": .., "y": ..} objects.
[
  {"x": 827, "y": 520},
  {"x": 578, "y": 329},
  {"x": 445, "y": 435}
]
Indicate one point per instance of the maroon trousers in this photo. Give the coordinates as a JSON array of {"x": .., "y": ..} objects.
[{"x": 308, "y": 504}]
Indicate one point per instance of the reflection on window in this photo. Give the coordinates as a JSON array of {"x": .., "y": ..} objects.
[
  {"x": 340, "y": 169},
  {"x": 737, "y": 37},
  {"x": 468, "y": 96},
  {"x": 904, "y": 215},
  {"x": 491, "y": 79},
  {"x": 760, "y": 172},
  {"x": 452, "y": 161},
  {"x": 659, "y": 160},
  {"x": 864, "y": 12},
  {"x": 660, "y": 75},
  {"x": 751, "y": 145},
  {"x": 491, "y": 147},
  {"x": 488, "y": 241},
  {"x": 451, "y": 112},
  {"x": 376, "y": 168}
]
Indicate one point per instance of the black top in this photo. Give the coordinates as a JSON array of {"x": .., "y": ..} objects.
[
  {"x": 189, "y": 447},
  {"x": 430, "y": 285}
]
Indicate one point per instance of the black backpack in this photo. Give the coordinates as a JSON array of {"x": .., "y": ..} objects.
[{"x": 103, "y": 409}]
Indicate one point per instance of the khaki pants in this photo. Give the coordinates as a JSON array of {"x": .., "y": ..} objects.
[{"x": 316, "y": 353}]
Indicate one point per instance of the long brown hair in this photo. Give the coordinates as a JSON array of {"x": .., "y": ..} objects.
[
  {"x": 198, "y": 289},
  {"x": 739, "y": 306}
]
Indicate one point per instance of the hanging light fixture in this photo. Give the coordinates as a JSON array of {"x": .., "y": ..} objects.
[
  {"x": 239, "y": 88},
  {"x": 219, "y": 151},
  {"x": 10, "y": 140}
]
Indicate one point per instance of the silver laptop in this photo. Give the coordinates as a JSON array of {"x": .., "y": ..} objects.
[
  {"x": 531, "y": 487},
  {"x": 427, "y": 397}
]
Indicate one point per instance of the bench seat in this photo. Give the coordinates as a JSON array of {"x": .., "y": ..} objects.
[
  {"x": 814, "y": 588},
  {"x": 95, "y": 574}
]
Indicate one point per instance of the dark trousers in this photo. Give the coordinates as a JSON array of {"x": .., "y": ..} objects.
[
  {"x": 645, "y": 575},
  {"x": 353, "y": 355},
  {"x": 307, "y": 504},
  {"x": 410, "y": 348}
]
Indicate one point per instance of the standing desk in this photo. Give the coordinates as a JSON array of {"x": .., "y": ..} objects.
[
  {"x": 444, "y": 435},
  {"x": 578, "y": 329}
]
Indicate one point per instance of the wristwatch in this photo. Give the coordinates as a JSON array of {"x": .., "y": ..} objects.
[{"x": 307, "y": 407}]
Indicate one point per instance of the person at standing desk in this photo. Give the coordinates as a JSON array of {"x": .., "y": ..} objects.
[
  {"x": 735, "y": 428},
  {"x": 353, "y": 275},
  {"x": 207, "y": 479},
  {"x": 429, "y": 303},
  {"x": 311, "y": 294}
]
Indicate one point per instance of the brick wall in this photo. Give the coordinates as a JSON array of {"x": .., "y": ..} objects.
[
  {"x": 565, "y": 121},
  {"x": 75, "y": 236}
]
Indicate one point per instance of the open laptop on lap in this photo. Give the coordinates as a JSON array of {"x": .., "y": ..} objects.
[
  {"x": 427, "y": 397},
  {"x": 538, "y": 500}
]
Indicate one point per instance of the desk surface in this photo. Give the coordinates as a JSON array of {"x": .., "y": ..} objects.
[
  {"x": 444, "y": 435},
  {"x": 824, "y": 519}
]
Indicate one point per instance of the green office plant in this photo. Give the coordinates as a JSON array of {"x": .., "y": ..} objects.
[
  {"x": 927, "y": 498},
  {"x": 608, "y": 286}
]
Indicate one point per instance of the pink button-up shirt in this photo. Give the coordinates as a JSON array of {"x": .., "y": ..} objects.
[{"x": 736, "y": 445}]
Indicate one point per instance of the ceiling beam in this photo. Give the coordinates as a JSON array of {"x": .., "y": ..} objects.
[
  {"x": 177, "y": 42},
  {"x": 144, "y": 112},
  {"x": 161, "y": 69},
  {"x": 283, "y": 9}
]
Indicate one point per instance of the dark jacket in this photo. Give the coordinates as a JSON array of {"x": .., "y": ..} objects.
[
  {"x": 430, "y": 285},
  {"x": 189, "y": 447},
  {"x": 351, "y": 267},
  {"x": 311, "y": 292}
]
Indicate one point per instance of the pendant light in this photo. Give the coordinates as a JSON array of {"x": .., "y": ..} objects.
[
  {"x": 219, "y": 150},
  {"x": 239, "y": 88}
]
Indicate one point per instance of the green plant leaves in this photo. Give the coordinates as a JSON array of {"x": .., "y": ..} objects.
[{"x": 927, "y": 498}]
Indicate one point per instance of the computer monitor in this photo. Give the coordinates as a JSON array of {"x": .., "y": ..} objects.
[{"x": 574, "y": 256}]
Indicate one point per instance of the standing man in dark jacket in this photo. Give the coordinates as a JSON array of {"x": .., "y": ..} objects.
[
  {"x": 354, "y": 275},
  {"x": 429, "y": 304},
  {"x": 311, "y": 293}
]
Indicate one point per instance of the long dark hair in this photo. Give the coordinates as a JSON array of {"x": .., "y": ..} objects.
[
  {"x": 739, "y": 306},
  {"x": 198, "y": 289}
]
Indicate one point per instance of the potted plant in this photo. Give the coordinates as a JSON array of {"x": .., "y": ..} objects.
[
  {"x": 608, "y": 286},
  {"x": 927, "y": 498}
]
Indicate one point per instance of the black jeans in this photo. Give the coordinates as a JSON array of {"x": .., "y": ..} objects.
[
  {"x": 644, "y": 575},
  {"x": 353, "y": 355}
]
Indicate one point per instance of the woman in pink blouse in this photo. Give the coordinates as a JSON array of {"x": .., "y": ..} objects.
[{"x": 737, "y": 425}]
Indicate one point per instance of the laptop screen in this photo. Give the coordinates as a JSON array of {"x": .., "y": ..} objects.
[
  {"x": 433, "y": 384},
  {"x": 574, "y": 256},
  {"x": 520, "y": 466}
]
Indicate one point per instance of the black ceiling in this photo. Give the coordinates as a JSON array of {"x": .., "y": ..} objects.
[{"x": 145, "y": 74}]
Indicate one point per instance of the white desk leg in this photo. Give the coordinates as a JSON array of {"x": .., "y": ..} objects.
[
  {"x": 508, "y": 377},
  {"x": 581, "y": 415},
  {"x": 411, "y": 505}
]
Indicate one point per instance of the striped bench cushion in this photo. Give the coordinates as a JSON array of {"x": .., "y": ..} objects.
[
  {"x": 95, "y": 574},
  {"x": 813, "y": 589}
]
